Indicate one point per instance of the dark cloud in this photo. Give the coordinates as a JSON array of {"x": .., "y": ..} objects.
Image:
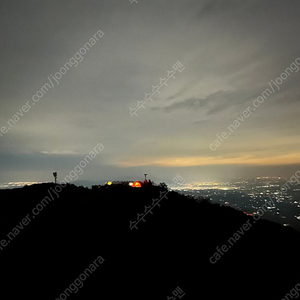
[{"x": 214, "y": 103}]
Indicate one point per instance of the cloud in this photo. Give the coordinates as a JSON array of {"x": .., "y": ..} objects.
[
  {"x": 230, "y": 50},
  {"x": 60, "y": 152},
  {"x": 214, "y": 103},
  {"x": 184, "y": 161},
  {"x": 209, "y": 8}
]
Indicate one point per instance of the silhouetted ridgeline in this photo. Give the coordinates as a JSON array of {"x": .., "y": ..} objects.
[{"x": 80, "y": 246}]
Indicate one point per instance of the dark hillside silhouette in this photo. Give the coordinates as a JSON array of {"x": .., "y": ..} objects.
[{"x": 171, "y": 248}]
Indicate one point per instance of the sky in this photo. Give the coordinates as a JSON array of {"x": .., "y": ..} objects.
[{"x": 223, "y": 55}]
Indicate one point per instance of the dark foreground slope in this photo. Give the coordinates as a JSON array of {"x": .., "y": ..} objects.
[{"x": 171, "y": 248}]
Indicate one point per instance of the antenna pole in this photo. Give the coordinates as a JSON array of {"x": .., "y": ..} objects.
[{"x": 55, "y": 176}]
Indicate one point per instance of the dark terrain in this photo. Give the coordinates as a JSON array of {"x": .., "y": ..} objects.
[{"x": 171, "y": 248}]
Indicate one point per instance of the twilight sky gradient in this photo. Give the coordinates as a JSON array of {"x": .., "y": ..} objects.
[{"x": 231, "y": 50}]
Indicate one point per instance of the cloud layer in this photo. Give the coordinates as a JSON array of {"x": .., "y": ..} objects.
[{"x": 231, "y": 50}]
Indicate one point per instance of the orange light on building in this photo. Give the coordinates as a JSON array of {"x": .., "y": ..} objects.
[{"x": 137, "y": 184}]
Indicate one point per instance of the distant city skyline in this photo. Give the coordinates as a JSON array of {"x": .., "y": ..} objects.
[
  {"x": 279, "y": 195},
  {"x": 181, "y": 184}
]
